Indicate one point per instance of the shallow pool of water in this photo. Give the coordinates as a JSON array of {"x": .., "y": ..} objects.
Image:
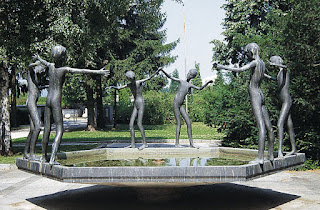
[{"x": 183, "y": 162}]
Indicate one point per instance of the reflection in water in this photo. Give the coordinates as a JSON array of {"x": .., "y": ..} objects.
[{"x": 183, "y": 162}]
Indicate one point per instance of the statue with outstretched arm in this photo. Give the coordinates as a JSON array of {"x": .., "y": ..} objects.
[
  {"x": 258, "y": 69},
  {"x": 178, "y": 107},
  {"x": 56, "y": 72},
  {"x": 283, "y": 79},
  {"x": 138, "y": 108},
  {"x": 34, "y": 86}
]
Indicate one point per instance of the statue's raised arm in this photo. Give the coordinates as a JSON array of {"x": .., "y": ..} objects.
[
  {"x": 169, "y": 76},
  {"x": 87, "y": 71},
  {"x": 270, "y": 77},
  {"x": 203, "y": 86},
  {"x": 250, "y": 65},
  {"x": 36, "y": 57},
  {"x": 116, "y": 87},
  {"x": 148, "y": 78}
]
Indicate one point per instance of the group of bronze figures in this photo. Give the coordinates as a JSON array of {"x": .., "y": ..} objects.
[
  {"x": 56, "y": 73},
  {"x": 258, "y": 70}
]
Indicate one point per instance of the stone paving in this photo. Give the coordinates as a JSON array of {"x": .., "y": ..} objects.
[{"x": 284, "y": 190}]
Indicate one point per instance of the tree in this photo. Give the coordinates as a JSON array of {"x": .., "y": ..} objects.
[
  {"x": 245, "y": 22},
  {"x": 5, "y": 136},
  {"x": 173, "y": 87},
  {"x": 197, "y": 81},
  {"x": 286, "y": 28},
  {"x": 300, "y": 43},
  {"x": 18, "y": 31}
]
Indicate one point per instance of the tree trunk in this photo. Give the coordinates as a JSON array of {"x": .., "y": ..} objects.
[
  {"x": 90, "y": 105},
  {"x": 13, "y": 98},
  {"x": 115, "y": 110},
  {"x": 100, "y": 111},
  {"x": 5, "y": 135}
]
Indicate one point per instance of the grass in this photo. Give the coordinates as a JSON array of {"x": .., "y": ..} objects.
[
  {"x": 199, "y": 131},
  {"x": 23, "y": 98},
  {"x": 18, "y": 151}
]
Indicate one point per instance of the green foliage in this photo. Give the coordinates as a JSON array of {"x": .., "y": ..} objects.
[
  {"x": 124, "y": 106},
  {"x": 158, "y": 107},
  {"x": 227, "y": 106},
  {"x": 309, "y": 165},
  {"x": 173, "y": 87},
  {"x": 197, "y": 81},
  {"x": 286, "y": 28},
  {"x": 120, "y": 34},
  {"x": 139, "y": 44},
  {"x": 196, "y": 107},
  {"x": 73, "y": 93}
]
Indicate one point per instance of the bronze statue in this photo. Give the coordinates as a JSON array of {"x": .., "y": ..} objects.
[
  {"x": 178, "y": 107},
  {"x": 283, "y": 79},
  {"x": 53, "y": 108},
  {"x": 34, "y": 86},
  {"x": 138, "y": 108},
  {"x": 258, "y": 69}
]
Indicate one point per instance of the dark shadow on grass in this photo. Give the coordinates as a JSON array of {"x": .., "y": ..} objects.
[{"x": 217, "y": 196}]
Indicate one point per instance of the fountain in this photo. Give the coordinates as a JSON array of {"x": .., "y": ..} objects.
[
  {"x": 157, "y": 172},
  {"x": 159, "y": 166}
]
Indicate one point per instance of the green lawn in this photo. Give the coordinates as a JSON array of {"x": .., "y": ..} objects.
[{"x": 199, "y": 131}]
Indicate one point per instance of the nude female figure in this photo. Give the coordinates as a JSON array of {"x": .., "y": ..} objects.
[
  {"x": 34, "y": 86},
  {"x": 53, "y": 108},
  {"x": 178, "y": 107},
  {"x": 258, "y": 69},
  {"x": 283, "y": 79},
  {"x": 138, "y": 108}
]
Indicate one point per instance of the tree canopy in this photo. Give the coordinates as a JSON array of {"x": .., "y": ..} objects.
[{"x": 289, "y": 29}]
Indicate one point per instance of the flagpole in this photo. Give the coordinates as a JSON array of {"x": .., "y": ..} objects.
[{"x": 185, "y": 48}]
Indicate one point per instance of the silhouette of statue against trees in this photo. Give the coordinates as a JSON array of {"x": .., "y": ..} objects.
[
  {"x": 258, "y": 69},
  {"x": 283, "y": 79},
  {"x": 34, "y": 75},
  {"x": 178, "y": 102},
  {"x": 53, "y": 108},
  {"x": 138, "y": 108}
]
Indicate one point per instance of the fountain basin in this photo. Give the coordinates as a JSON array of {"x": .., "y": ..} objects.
[{"x": 185, "y": 175}]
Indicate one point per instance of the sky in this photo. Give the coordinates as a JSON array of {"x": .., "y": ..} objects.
[{"x": 203, "y": 20}]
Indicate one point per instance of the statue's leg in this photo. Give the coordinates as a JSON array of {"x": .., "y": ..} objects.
[
  {"x": 140, "y": 116},
  {"x": 188, "y": 122},
  {"x": 257, "y": 111},
  {"x": 176, "y": 111},
  {"x": 131, "y": 125},
  {"x": 270, "y": 132},
  {"x": 284, "y": 113},
  {"x": 46, "y": 133},
  {"x": 27, "y": 144},
  {"x": 36, "y": 130},
  {"x": 58, "y": 119},
  {"x": 292, "y": 136}
]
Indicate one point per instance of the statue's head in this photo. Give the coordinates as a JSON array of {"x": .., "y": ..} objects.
[
  {"x": 276, "y": 59},
  {"x": 252, "y": 50},
  {"x": 192, "y": 73},
  {"x": 130, "y": 75},
  {"x": 59, "y": 54}
]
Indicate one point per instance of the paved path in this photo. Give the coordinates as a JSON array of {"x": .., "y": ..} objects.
[
  {"x": 284, "y": 190},
  {"x": 68, "y": 125}
]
